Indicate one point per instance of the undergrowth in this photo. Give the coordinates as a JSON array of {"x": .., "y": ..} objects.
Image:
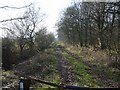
[{"x": 42, "y": 66}]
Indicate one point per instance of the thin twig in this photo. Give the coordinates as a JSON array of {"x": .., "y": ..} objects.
[
  {"x": 15, "y": 7},
  {"x": 12, "y": 19}
]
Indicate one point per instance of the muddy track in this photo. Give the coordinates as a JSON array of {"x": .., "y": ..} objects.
[
  {"x": 104, "y": 78},
  {"x": 64, "y": 68}
]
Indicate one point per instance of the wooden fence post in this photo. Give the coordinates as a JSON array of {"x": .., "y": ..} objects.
[{"x": 24, "y": 84}]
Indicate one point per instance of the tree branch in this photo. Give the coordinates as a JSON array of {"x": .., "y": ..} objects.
[
  {"x": 15, "y": 7},
  {"x": 12, "y": 19}
]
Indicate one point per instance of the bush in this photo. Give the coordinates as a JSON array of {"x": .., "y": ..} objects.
[{"x": 7, "y": 54}]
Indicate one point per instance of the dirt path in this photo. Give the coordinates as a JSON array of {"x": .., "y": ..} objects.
[
  {"x": 103, "y": 77},
  {"x": 65, "y": 70}
]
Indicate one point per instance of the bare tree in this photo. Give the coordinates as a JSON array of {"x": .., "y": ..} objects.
[{"x": 24, "y": 29}]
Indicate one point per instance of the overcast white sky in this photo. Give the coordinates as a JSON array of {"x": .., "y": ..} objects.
[{"x": 51, "y": 8}]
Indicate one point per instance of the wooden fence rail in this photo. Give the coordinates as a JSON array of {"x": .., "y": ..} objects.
[{"x": 24, "y": 84}]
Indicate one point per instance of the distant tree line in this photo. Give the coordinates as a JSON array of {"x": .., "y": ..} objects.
[
  {"x": 25, "y": 37},
  {"x": 94, "y": 24}
]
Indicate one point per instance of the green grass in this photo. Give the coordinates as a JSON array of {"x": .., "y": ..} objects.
[
  {"x": 81, "y": 72},
  {"x": 48, "y": 88}
]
